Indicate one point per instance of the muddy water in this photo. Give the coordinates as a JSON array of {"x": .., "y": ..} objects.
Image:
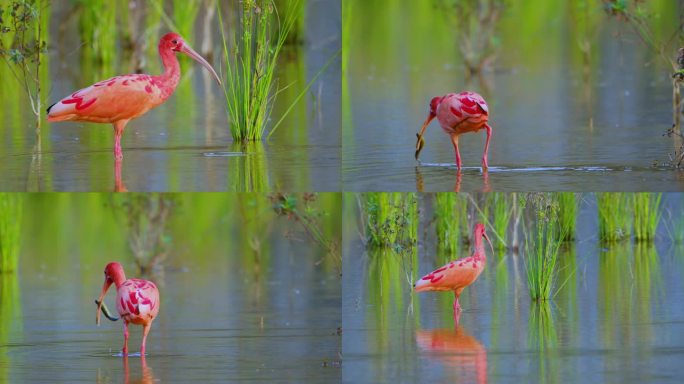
[
  {"x": 219, "y": 319},
  {"x": 614, "y": 320},
  {"x": 554, "y": 128}
]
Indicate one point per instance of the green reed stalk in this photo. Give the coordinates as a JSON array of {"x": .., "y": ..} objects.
[
  {"x": 503, "y": 212},
  {"x": 447, "y": 225},
  {"x": 567, "y": 215},
  {"x": 390, "y": 219},
  {"x": 10, "y": 230},
  {"x": 614, "y": 216},
  {"x": 542, "y": 249},
  {"x": 251, "y": 59},
  {"x": 647, "y": 213}
]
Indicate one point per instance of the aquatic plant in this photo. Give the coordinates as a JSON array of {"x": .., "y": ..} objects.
[
  {"x": 451, "y": 220},
  {"x": 567, "y": 215},
  {"x": 389, "y": 219},
  {"x": 302, "y": 209},
  {"x": 475, "y": 23},
  {"x": 146, "y": 217},
  {"x": 22, "y": 46},
  {"x": 502, "y": 212},
  {"x": 646, "y": 207},
  {"x": 298, "y": 10},
  {"x": 10, "y": 230},
  {"x": 614, "y": 216},
  {"x": 541, "y": 246},
  {"x": 250, "y": 54}
]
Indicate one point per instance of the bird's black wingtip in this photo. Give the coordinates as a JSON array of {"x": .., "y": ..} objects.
[{"x": 49, "y": 108}]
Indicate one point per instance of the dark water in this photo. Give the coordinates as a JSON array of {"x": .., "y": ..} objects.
[
  {"x": 556, "y": 128},
  {"x": 219, "y": 320},
  {"x": 173, "y": 147},
  {"x": 615, "y": 318}
]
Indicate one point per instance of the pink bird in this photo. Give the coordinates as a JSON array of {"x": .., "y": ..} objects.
[
  {"x": 137, "y": 301},
  {"x": 458, "y": 113},
  {"x": 123, "y": 98},
  {"x": 458, "y": 274}
]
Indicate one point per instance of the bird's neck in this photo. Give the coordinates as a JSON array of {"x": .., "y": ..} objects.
[
  {"x": 119, "y": 279},
  {"x": 479, "y": 252},
  {"x": 169, "y": 79}
]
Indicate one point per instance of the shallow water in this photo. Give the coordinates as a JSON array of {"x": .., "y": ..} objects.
[
  {"x": 614, "y": 319},
  {"x": 165, "y": 149},
  {"x": 218, "y": 320},
  {"x": 543, "y": 111}
]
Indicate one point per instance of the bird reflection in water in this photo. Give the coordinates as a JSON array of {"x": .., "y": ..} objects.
[
  {"x": 146, "y": 375},
  {"x": 420, "y": 184},
  {"x": 463, "y": 356},
  {"x": 119, "y": 185}
]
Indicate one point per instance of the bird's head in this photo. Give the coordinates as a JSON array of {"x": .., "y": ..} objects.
[
  {"x": 481, "y": 233},
  {"x": 434, "y": 103},
  {"x": 175, "y": 43},
  {"x": 420, "y": 142},
  {"x": 113, "y": 273}
]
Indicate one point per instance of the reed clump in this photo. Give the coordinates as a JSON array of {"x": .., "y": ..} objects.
[
  {"x": 542, "y": 245},
  {"x": 389, "y": 219},
  {"x": 646, "y": 207},
  {"x": 451, "y": 220},
  {"x": 250, "y": 52},
  {"x": 567, "y": 215},
  {"x": 614, "y": 216}
]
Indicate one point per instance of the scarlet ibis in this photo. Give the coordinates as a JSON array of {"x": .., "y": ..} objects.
[
  {"x": 458, "y": 113},
  {"x": 460, "y": 273},
  {"x": 123, "y": 98},
  {"x": 137, "y": 301}
]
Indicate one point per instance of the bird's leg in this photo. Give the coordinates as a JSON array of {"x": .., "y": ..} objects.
[
  {"x": 485, "y": 165},
  {"x": 118, "y": 132},
  {"x": 124, "y": 351},
  {"x": 454, "y": 140},
  {"x": 146, "y": 330},
  {"x": 457, "y": 306}
]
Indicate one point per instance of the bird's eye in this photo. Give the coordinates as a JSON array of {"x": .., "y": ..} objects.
[{"x": 174, "y": 41}]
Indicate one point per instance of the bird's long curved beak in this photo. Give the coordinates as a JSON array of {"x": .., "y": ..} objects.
[
  {"x": 490, "y": 243},
  {"x": 105, "y": 287},
  {"x": 196, "y": 56},
  {"x": 420, "y": 142}
]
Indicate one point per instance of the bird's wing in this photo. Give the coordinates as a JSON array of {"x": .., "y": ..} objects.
[
  {"x": 456, "y": 274},
  {"x": 472, "y": 104},
  {"x": 118, "y": 98},
  {"x": 138, "y": 298}
]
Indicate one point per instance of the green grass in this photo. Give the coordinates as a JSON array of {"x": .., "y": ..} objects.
[
  {"x": 614, "y": 216},
  {"x": 567, "y": 215},
  {"x": 646, "y": 207},
  {"x": 251, "y": 54},
  {"x": 451, "y": 221},
  {"x": 10, "y": 230},
  {"x": 502, "y": 211},
  {"x": 542, "y": 247},
  {"x": 390, "y": 219}
]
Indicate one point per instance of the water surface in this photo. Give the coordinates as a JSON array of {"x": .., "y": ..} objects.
[{"x": 547, "y": 109}]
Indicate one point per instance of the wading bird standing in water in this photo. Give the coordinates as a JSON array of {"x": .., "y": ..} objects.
[
  {"x": 460, "y": 273},
  {"x": 123, "y": 98},
  {"x": 137, "y": 302},
  {"x": 458, "y": 113}
]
